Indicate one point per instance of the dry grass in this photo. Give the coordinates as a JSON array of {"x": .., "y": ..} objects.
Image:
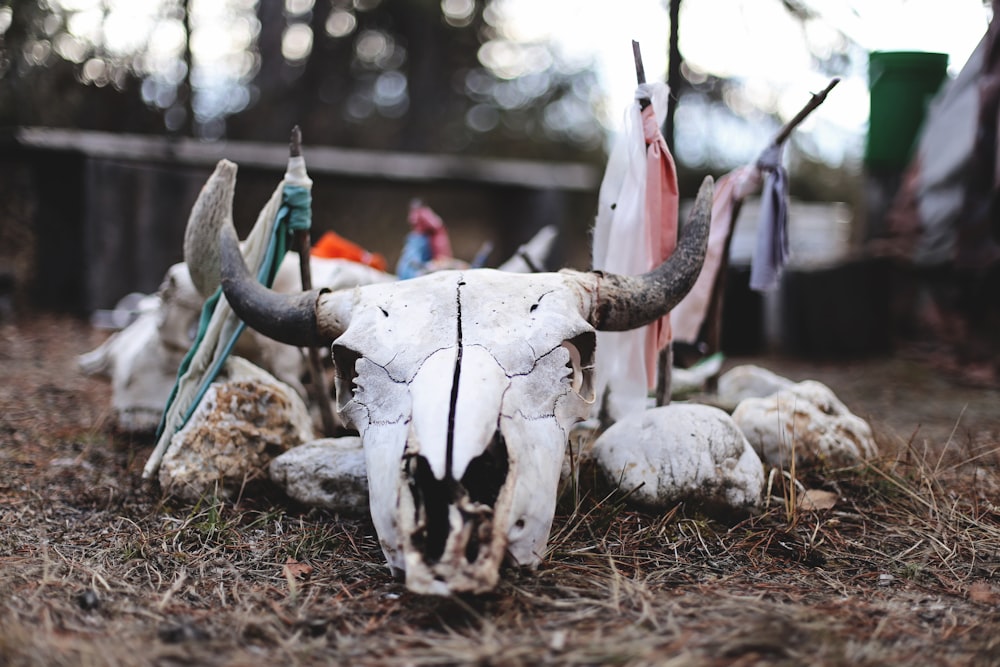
[{"x": 96, "y": 570}]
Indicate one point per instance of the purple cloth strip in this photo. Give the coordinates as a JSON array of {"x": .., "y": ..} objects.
[{"x": 771, "y": 252}]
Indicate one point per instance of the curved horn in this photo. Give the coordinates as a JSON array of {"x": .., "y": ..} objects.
[
  {"x": 287, "y": 318},
  {"x": 212, "y": 210},
  {"x": 628, "y": 302}
]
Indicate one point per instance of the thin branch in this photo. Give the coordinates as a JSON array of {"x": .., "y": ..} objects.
[
  {"x": 318, "y": 385},
  {"x": 816, "y": 100},
  {"x": 665, "y": 357},
  {"x": 640, "y": 72}
]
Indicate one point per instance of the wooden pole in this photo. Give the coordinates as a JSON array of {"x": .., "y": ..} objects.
[
  {"x": 318, "y": 384},
  {"x": 816, "y": 100},
  {"x": 665, "y": 359},
  {"x": 665, "y": 362},
  {"x": 640, "y": 72}
]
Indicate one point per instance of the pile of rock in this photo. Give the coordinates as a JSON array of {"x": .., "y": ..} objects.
[{"x": 250, "y": 425}]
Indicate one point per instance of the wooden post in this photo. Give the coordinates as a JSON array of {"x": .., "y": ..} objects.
[
  {"x": 318, "y": 381},
  {"x": 665, "y": 360},
  {"x": 640, "y": 72}
]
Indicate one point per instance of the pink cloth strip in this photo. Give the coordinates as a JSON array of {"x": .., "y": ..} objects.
[
  {"x": 731, "y": 189},
  {"x": 662, "y": 200}
]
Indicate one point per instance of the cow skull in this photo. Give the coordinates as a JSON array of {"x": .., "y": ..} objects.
[{"x": 464, "y": 386}]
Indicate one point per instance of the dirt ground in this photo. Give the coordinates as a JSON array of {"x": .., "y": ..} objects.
[{"x": 96, "y": 569}]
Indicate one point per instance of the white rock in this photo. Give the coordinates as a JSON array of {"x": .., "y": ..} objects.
[
  {"x": 808, "y": 418},
  {"x": 748, "y": 381},
  {"x": 244, "y": 420},
  {"x": 682, "y": 452},
  {"x": 329, "y": 473}
]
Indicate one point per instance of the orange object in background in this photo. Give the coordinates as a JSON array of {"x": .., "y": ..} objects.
[{"x": 334, "y": 246}]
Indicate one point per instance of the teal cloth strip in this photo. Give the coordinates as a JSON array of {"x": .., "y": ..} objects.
[{"x": 294, "y": 215}]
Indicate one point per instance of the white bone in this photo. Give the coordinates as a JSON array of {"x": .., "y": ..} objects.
[
  {"x": 397, "y": 364},
  {"x": 464, "y": 386},
  {"x": 142, "y": 359}
]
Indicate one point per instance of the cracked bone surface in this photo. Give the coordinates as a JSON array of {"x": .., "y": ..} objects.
[
  {"x": 464, "y": 386},
  {"x": 464, "y": 424}
]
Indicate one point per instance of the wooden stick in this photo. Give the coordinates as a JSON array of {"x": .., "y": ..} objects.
[
  {"x": 816, "y": 100},
  {"x": 640, "y": 72},
  {"x": 664, "y": 374},
  {"x": 318, "y": 384},
  {"x": 674, "y": 61},
  {"x": 664, "y": 361}
]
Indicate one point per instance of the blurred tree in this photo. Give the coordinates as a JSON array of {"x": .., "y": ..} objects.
[
  {"x": 414, "y": 75},
  {"x": 411, "y": 75},
  {"x": 44, "y": 76}
]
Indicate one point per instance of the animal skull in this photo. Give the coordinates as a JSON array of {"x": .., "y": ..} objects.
[
  {"x": 143, "y": 358},
  {"x": 464, "y": 386}
]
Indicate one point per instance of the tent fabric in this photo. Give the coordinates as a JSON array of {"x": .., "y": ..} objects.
[
  {"x": 946, "y": 211},
  {"x": 979, "y": 231},
  {"x": 945, "y": 220},
  {"x": 924, "y": 215},
  {"x": 636, "y": 224}
]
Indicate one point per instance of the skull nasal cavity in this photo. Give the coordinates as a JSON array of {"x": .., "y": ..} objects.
[
  {"x": 475, "y": 497},
  {"x": 487, "y": 473},
  {"x": 431, "y": 498}
]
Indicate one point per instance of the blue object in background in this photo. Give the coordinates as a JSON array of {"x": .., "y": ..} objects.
[{"x": 414, "y": 257}]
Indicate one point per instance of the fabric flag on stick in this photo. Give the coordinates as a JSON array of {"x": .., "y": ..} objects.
[
  {"x": 688, "y": 316},
  {"x": 289, "y": 209},
  {"x": 635, "y": 230},
  {"x": 771, "y": 252}
]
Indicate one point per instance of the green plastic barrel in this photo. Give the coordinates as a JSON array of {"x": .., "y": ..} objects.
[{"x": 902, "y": 84}]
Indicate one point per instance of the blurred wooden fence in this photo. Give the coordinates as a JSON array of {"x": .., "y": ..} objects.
[{"x": 87, "y": 217}]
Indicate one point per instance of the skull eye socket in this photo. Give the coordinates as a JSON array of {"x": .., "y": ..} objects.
[
  {"x": 581, "y": 364},
  {"x": 345, "y": 366}
]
